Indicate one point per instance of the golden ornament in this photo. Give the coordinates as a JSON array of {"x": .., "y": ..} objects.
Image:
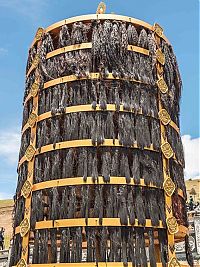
[
  {"x": 158, "y": 29},
  {"x": 32, "y": 119},
  {"x": 172, "y": 225},
  {"x": 34, "y": 89},
  {"x": 174, "y": 263},
  {"x": 36, "y": 61},
  {"x": 101, "y": 9},
  {"x": 26, "y": 189},
  {"x": 39, "y": 34},
  {"x": 169, "y": 186},
  {"x": 167, "y": 150},
  {"x": 21, "y": 263},
  {"x": 164, "y": 116},
  {"x": 162, "y": 85},
  {"x": 24, "y": 227},
  {"x": 30, "y": 151},
  {"x": 160, "y": 56}
]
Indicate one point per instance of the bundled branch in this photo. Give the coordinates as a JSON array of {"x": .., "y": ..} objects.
[
  {"x": 16, "y": 250},
  {"x": 25, "y": 141}
]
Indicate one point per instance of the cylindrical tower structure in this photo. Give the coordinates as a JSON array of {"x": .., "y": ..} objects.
[{"x": 100, "y": 174}]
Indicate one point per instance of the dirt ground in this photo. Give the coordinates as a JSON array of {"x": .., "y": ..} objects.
[{"x": 6, "y": 208}]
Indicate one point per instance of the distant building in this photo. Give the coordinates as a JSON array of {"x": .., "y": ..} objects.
[{"x": 193, "y": 188}]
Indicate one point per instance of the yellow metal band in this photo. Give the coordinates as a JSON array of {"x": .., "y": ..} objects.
[
  {"x": 72, "y": 78},
  {"x": 88, "y": 108},
  {"x": 84, "y": 143},
  {"x": 55, "y": 27},
  {"x": 95, "y": 222},
  {"x": 79, "y": 143},
  {"x": 77, "y": 222},
  {"x": 34, "y": 65},
  {"x": 79, "y": 181},
  {"x": 89, "y": 264},
  {"x": 92, "y": 76},
  {"x": 81, "y": 46}
]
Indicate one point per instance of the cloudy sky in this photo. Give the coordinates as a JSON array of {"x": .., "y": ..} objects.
[{"x": 20, "y": 20}]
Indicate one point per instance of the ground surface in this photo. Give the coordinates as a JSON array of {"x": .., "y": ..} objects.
[{"x": 6, "y": 208}]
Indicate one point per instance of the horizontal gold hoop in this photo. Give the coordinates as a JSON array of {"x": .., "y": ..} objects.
[
  {"x": 90, "y": 264},
  {"x": 87, "y": 18},
  {"x": 80, "y": 143},
  {"x": 79, "y": 181},
  {"x": 88, "y": 108},
  {"x": 90, "y": 17},
  {"x": 68, "y": 48},
  {"x": 85, "y": 143},
  {"x": 92, "y": 76},
  {"x": 81, "y": 46},
  {"x": 72, "y": 78},
  {"x": 80, "y": 222},
  {"x": 114, "y": 180},
  {"x": 115, "y": 222}
]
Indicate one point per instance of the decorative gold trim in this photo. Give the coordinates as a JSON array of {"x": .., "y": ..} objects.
[
  {"x": 91, "y": 76},
  {"x": 167, "y": 150},
  {"x": 90, "y": 17},
  {"x": 34, "y": 65},
  {"x": 39, "y": 34},
  {"x": 164, "y": 116},
  {"x": 169, "y": 186},
  {"x": 34, "y": 89},
  {"x": 26, "y": 189},
  {"x": 24, "y": 227},
  {"x": 179, "y": 236},
  {"x": 88, "y": 264},
  {"x": 89, "y": 46},
  {"x": 160, "y": 56},
  {"x": 101, "y": 9},
  {"x": 138, "y": 50},
  {"x": 36, "y": 61},
  {"x": 174, "y": 263},
  {"x": 78, "y": 143},
  {"x": 158, "y": 30},
  {"x": 162, "y": 85},
  {"x": 79, "y": 181},
  {"x": 172, "y": 225},
  {"x": 21, "y": 263},
  {"x": 88, "y": 108},
  {"x": 30, "y": 151},
  {"x": 83, "y": 143},
  {"x": 32, "y": 120},
  {"x": 91, "y": 222},
  {"x": 68, "y": 48},
  {"x": 71, "y": 78}
]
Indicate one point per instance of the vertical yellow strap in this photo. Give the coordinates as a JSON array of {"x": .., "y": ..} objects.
[
  {"x": 165, "y": 161},
  {"x": 27, "y": 213}
]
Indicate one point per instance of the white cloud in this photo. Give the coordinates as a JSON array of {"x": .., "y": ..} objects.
[
  {"x": 9, "y": 145},
  {"x": 4, "y": 195},
  {"x": 192, "y": 158}
]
